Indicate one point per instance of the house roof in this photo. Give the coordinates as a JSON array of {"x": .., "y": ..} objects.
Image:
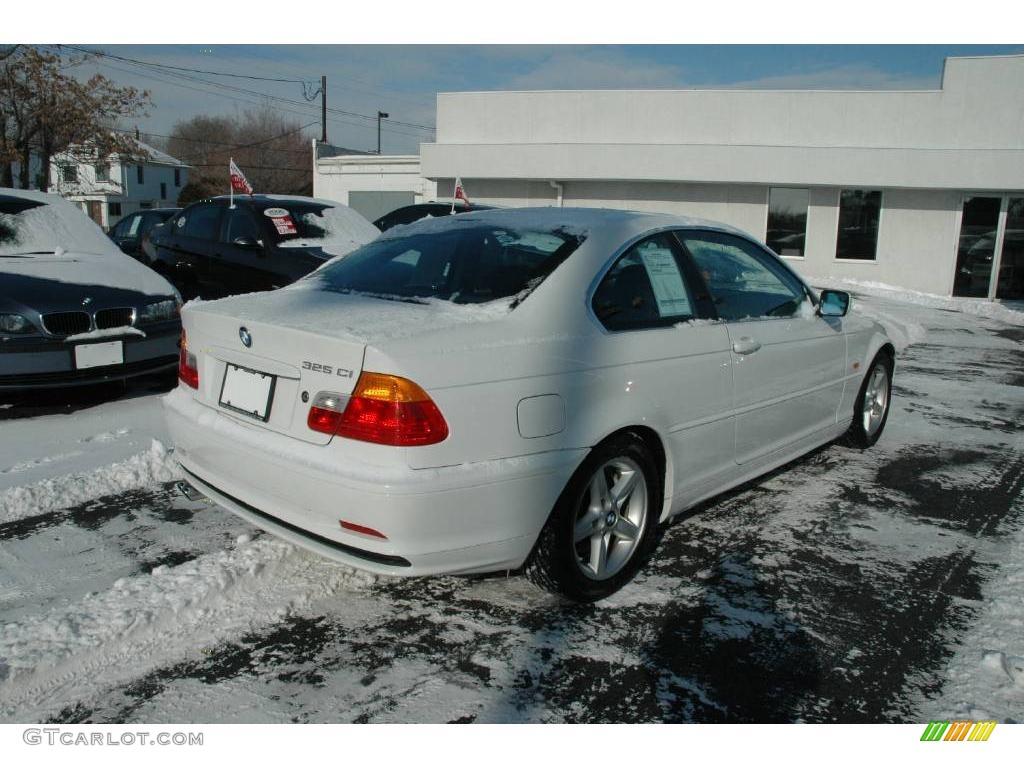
[{"x": 154, "y": 155}]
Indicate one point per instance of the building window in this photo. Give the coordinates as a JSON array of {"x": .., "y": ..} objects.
[
  {"x": 177, "y": 177},
  {"x": 146, "y": 205},
  {"x": 69, "y": 174},
  {"x": 140, "y": 174},
  {"x": 113, "y": 209},
  {"x": 787, "y": 220},
  {"x": 859, "y": 211},
  {"x": 163, "y": 190},
  {"x": 102, "y": 172}
]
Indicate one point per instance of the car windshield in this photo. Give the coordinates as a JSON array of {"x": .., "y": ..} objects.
[
  {"x": 467, "y": 265},
  {"x": 299, "y": 222},
  {"x": 30, "y": 227}
]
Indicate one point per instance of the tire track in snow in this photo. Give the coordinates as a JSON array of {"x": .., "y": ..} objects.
[{"x": 143, "y": 622}]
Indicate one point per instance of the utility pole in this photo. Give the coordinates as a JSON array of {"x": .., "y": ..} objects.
[
  {"x": 323, "y": 109},
  {"x": 380, "y": 116}
]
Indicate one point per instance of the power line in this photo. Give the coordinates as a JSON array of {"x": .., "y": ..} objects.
[
  {"x": 247, "y": 91},
  {"x": 228, "y": 143},
  {"x": 152, "y": 76},
  {"x": 182, "y": 69}
]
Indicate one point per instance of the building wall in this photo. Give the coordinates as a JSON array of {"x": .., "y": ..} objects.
[
  {"x": 715, "y": 154},
  {"x": 149, "y": 190},
  {"x": 122, "y": 187},
  {"x": 917, "y": 229},
  {"x": 967, "y": 135},
  {"x": 335, "y": 177},
  {"x": 916, "y": 240}
]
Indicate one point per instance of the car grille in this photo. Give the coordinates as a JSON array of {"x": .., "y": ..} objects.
[
  {"x": 66, "y": 323},
  {"x": 115, "y": 318}
]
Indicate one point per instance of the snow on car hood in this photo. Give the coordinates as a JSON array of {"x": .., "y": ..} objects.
[
  {"x": 354, "y": 317},
  {"x": 109, "y": 270}
]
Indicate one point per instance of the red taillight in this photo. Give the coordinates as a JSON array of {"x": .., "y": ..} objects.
[
  {"x": 366, "y": 531},
  {"x": 382, "y": 409},
  {"x": 188, "y": 368}
]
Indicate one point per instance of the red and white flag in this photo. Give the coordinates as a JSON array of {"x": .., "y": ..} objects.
[
  {"x": 460, "y": 194},
  {"x": 238, "y": 181}
]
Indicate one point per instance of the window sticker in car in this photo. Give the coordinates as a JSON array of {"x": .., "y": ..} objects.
[
  {"x": 133, "y": 228},
  {"x": 666, "y": 282},
  {"x": 282, "y": 220}
]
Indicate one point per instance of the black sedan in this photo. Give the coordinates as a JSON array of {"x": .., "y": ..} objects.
[
  {"x": 73, "y": 308},
  {"x": 221, "y": 246},
  {"x": 129, "y": 232},
  {"x": 410, "y": 213}
]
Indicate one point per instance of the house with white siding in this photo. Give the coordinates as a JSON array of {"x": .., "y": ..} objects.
[{"x": 112, "y": 187}]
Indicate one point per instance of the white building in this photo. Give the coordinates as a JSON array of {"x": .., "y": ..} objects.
[
  {"x": 372, "y": 184},
  {"x": 920, "y": 189},
  {"x": 113, "y": 187}
]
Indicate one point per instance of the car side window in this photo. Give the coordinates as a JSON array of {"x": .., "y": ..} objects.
[
  {"x": 744, "y": 280},
  {"x": 133, "y": 226},
  {"x": 239, "y": 223},
  {"x": 645, "y": 288},
  {"x": 202, "y": 222}
]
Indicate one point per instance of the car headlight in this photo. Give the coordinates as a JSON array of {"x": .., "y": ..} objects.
[
  {"x": 158, "y": 311},
  {"x": 10, "y": 323}
]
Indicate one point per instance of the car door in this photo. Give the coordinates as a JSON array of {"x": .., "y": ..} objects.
[
  {"x": 240, "y": 258},
  {"x": 127, "y": 232},
  {"x": 677, "y": 364},
  {"x": 788, "y": 363},
  {"x": 197, "y": 230}
]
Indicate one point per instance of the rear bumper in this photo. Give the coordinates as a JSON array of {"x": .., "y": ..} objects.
[
  {"x": 51, "y": 362},
  {"x": 472, "y": 518}
]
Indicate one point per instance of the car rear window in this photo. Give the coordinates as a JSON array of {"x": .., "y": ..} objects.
[{"x": 468, "y": 265}]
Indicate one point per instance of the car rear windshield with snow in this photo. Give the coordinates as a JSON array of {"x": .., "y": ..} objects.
[
  {"x": 466, "y": 265},
  {"x": 31, "y": 227},
  {"x": 312, "y": 221}
]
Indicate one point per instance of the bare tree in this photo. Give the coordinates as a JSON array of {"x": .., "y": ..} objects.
[
  {"x": 271, "y": 150},
  {"x": 46, "y": 112}
]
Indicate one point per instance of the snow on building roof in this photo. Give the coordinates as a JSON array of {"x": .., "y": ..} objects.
[{"x": 154, "y": 155}]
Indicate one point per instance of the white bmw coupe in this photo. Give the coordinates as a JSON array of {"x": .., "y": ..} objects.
[{"x": 535, "y": 388}]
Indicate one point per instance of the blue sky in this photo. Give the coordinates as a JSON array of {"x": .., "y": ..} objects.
[{"x": 404, "y": 79}]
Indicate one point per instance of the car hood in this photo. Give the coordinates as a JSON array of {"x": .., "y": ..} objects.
[{"x": 69, "y": 274}]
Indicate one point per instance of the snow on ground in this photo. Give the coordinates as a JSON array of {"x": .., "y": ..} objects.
[{"x": 849, "y": 586}]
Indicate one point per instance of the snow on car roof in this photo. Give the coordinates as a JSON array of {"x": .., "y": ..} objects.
[{"x": 573, "y": 220}]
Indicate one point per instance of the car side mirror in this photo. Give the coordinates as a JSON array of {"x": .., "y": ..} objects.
[
  {"x": 833, "y": 303},
  {"x": 247, "y": 242}
]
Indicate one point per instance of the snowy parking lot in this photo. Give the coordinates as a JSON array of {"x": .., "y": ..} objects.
[{"x": 877, "y": 586}]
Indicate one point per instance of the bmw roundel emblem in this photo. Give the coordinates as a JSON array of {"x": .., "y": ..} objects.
[{"x": 245, "y": 336}]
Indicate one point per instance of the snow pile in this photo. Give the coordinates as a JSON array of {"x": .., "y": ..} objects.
[
  {"x": 103, "y": 333},
  {"x": 980, "y": 307},
  {"x": 152, "y": 466}
]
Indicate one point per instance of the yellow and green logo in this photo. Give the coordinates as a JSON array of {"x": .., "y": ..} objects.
[{"x": 958, "y": 730}]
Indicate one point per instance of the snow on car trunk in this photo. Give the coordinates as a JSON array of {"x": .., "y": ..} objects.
[{"x": 310, "y": 341}]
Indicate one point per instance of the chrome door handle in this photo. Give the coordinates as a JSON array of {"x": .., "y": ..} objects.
[{"x": 745, "y": 346}]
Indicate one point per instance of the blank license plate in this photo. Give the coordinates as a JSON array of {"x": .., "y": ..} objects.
[
  {"x": 247, "y": 391},
  {"x": 97, "y": 355}
]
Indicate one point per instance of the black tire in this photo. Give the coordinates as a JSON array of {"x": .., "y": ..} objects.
[
  {"x": 858, "y": 435},
  {"x": 555, "y": 565}
]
